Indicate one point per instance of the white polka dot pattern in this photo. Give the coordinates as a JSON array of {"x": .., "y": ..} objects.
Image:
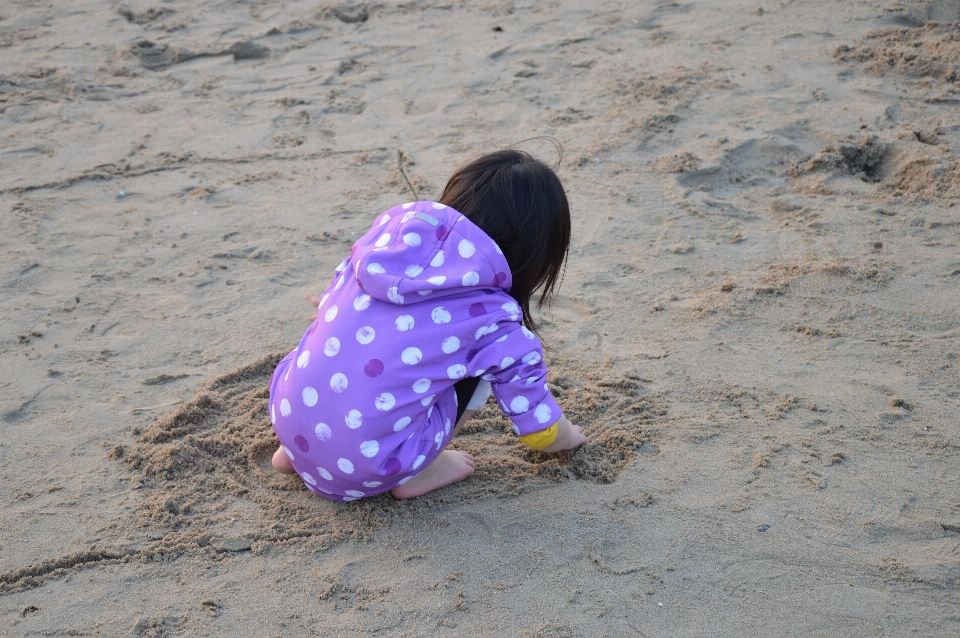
[
  {"x": 338, "y": 382},
  {"x": 331, "y": 347},
  {"x": 354, "y": 419},
  {"x": 369, "y": 449},
  {"x": 323, "y": 432},
  {"x": 421, "y": 385},
  {"x": 519, "y": 405},
  {"x": 466, "y": 248},
  {"x": 543, "y": 413},
  {"x": 411, "y": 356},
  {"x": 385, "y": 402},
  {"x": 304, "y": 359},
  {"x": 450, "y": 345}
]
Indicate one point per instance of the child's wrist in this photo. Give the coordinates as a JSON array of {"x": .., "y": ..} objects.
[
  {"x": 542, "y": 439},
  {"x": 563, "y": 437}
]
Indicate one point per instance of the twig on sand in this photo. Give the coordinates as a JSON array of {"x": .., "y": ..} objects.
[
  {"x": 400, "y": 156},
  {"x": 153, "y": 407}
]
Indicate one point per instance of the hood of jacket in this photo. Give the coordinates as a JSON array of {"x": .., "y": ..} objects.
[{"x": 425, "y": 250}]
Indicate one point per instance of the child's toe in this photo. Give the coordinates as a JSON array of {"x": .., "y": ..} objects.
[{"x": 281, "y": 462}]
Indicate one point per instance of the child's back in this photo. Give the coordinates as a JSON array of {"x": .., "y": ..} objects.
[{"x": 366, "y": 401}]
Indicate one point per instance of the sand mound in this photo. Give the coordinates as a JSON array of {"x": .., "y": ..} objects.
[
  {"x": 929, "y": 53},
  {"x": 207, "y": 464},
  {"x": 919, "y": 169},
  {"x": 864, "y": 159}
]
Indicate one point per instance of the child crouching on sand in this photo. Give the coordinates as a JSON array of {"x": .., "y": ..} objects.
[{"x": 427, "y": 316}]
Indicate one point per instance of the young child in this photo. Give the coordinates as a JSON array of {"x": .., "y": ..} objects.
[{"x": 427, "y": 316}]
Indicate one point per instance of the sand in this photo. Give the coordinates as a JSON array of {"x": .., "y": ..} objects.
[{"x": 757, "y": 327}]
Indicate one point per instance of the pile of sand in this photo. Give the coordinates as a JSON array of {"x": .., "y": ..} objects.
[
  {"x": 201, "y": 464},
  {"x": 921, "y": 166},
  {"x": 930, "y": 53}
]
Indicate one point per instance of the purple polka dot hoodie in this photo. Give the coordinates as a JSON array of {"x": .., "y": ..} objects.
[{"x": 366, "y": 401}]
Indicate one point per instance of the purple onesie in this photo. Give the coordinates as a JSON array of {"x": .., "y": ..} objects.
[{"x": 366, "y": 401}]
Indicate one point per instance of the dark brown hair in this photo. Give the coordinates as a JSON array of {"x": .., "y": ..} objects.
[{"x": 519, "y": 202}]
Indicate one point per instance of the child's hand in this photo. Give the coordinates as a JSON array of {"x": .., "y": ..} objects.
[
  {"x": 315, "y": 302},
  {"x": 569, "y": 436}
]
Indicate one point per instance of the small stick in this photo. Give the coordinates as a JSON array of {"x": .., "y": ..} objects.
[
  {"x": 153, "y": 407},
  {"x": 404, "y": 173}
]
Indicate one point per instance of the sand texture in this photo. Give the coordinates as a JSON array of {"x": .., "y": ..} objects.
[{"x": 758, "y": 325}]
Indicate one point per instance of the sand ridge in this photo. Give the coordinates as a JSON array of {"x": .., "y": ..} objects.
[{"x": 195, "y": 463}]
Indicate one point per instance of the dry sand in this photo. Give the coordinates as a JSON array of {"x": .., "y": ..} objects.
[{"x": 758, "y": 327}]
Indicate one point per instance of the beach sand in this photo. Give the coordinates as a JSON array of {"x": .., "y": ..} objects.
[{"x": 757, "y": 328}]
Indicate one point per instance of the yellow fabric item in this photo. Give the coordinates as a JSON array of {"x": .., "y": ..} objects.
[{"x": 543, "y": 438}]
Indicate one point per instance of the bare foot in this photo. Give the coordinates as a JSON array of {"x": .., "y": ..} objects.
[
  {"x": 281, "y": 462},
  {"x": 449, "y": 467}
]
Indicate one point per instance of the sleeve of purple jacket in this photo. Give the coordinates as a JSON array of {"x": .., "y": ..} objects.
[{"x": 510, "y": 357}]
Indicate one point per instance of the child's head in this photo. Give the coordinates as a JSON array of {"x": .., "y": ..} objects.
[{"x": 519, "y": 202}]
